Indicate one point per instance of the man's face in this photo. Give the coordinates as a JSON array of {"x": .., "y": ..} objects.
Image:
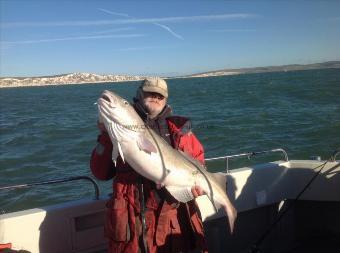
[{"x": 154, "y": 103}]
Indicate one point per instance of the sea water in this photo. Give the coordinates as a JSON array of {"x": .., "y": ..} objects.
[{"x": 49, "y": 132}]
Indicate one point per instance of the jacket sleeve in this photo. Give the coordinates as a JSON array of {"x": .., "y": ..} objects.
[
  {"x": 101, "y": 163},
  {"x": 192, "y": 146}
]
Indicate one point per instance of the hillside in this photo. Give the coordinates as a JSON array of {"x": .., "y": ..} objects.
[
  {"x": 285, "y": 68},
  {"x": 79, "y": 78},
  {"x": 73, "y": 78}
]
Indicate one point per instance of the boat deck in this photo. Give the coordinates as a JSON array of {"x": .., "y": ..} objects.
[{"x": 260, "y": 194}]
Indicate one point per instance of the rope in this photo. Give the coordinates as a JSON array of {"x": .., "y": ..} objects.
[{"x": 255, "y": 248}]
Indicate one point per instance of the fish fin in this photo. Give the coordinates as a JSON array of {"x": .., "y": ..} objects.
[
  {"x": 231, "y": 213},
  {"x": 114, "y": 155},
  {"x": 146, "y": 145},
  {"x": 221, "y": 179},
  {"x": 181, "y": 194},
  {"x": 116, "y": 148},
  {"x": 120, "y": 151}
]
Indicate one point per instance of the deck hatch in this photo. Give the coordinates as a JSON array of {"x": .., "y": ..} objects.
[{"x": 89, "y": 221}]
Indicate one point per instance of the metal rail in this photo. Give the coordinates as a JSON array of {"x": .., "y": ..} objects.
[
  {"x": 55, "y": 181},
  {"x": 248, "y": 154},
  {"x": 336, "y": 153}
]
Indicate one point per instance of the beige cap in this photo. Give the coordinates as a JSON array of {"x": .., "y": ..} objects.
[{"x": 155, "y": 84}]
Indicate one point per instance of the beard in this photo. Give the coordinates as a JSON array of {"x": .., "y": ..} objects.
[{"x": 153, "y": 106}]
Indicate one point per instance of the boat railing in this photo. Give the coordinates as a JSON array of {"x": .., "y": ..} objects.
[
  {"x": 248, "y": 155},
  {"x": 336, "y": 153},
  {"x": 54, "y": 181}
]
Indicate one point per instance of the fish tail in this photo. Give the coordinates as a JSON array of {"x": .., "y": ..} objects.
[{"x": 231, "y": 214}]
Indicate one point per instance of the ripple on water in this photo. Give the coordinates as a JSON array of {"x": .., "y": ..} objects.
[{"x": 49, "y": 132}]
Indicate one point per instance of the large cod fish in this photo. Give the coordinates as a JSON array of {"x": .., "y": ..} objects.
[{"x": 152, "y": 157}]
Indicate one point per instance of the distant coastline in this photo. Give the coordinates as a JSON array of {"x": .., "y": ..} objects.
[
  {"x": 87, "y": 78},
  {"x": 282, "y": 68},
  {"x": 73, "y": 78}
]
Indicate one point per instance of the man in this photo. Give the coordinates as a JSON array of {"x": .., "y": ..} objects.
[{"x": 142, "y": 216}]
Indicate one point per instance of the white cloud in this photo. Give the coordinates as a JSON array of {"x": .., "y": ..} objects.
[
  {"x": 233, "y": 30},
  {"x": 169, "y": 30},
  {"x": 140, "y": 48},
  {"x": 115, "y": 13},
  {"x": 131, "y": 21},
  {"x": 73, "y": 38},
  {"x": 156, "y": 24},
  {"x": 114, "y": 30}
]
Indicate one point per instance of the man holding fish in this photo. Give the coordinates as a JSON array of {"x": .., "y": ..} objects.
[{"x": 158, "y": 169}]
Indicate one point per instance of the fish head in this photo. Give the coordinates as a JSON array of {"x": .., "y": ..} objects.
[
  {"x": 114, "y": 109},
  {"x": 122, "y": 123}
]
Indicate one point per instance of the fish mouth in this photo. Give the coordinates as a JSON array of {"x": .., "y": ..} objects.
[
  {"x": 107, "y": 106},
  {"x": 106, "y": 97},
  {"x": 106, "y": 103}
]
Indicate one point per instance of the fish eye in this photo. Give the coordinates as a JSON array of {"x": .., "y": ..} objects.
[{"x": 125, "y": 102}]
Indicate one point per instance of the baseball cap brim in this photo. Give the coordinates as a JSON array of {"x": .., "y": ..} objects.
[{"x": 155, "y": 89}]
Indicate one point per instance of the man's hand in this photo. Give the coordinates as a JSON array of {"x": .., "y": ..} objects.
[{"x": 197, "y": 191}]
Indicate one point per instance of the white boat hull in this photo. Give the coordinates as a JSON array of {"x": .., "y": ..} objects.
[{"x": 257, "y": 192}]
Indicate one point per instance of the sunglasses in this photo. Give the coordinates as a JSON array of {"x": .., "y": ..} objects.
[{"x": 153, "y": 95}]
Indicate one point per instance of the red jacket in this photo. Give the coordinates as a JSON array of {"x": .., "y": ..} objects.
[{"x": 170, "y": 226}]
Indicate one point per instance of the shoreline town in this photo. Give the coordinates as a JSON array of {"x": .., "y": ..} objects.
[{"x": 89, "y": 78}]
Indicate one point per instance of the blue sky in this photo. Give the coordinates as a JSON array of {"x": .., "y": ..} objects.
[{"x": 163, "y": 37}]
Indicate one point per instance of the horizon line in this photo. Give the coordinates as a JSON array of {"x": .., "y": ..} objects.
[{"x": 192, "y": 73}]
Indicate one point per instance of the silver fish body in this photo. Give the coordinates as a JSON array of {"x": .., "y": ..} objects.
[{"x": 152, "y": 157}]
